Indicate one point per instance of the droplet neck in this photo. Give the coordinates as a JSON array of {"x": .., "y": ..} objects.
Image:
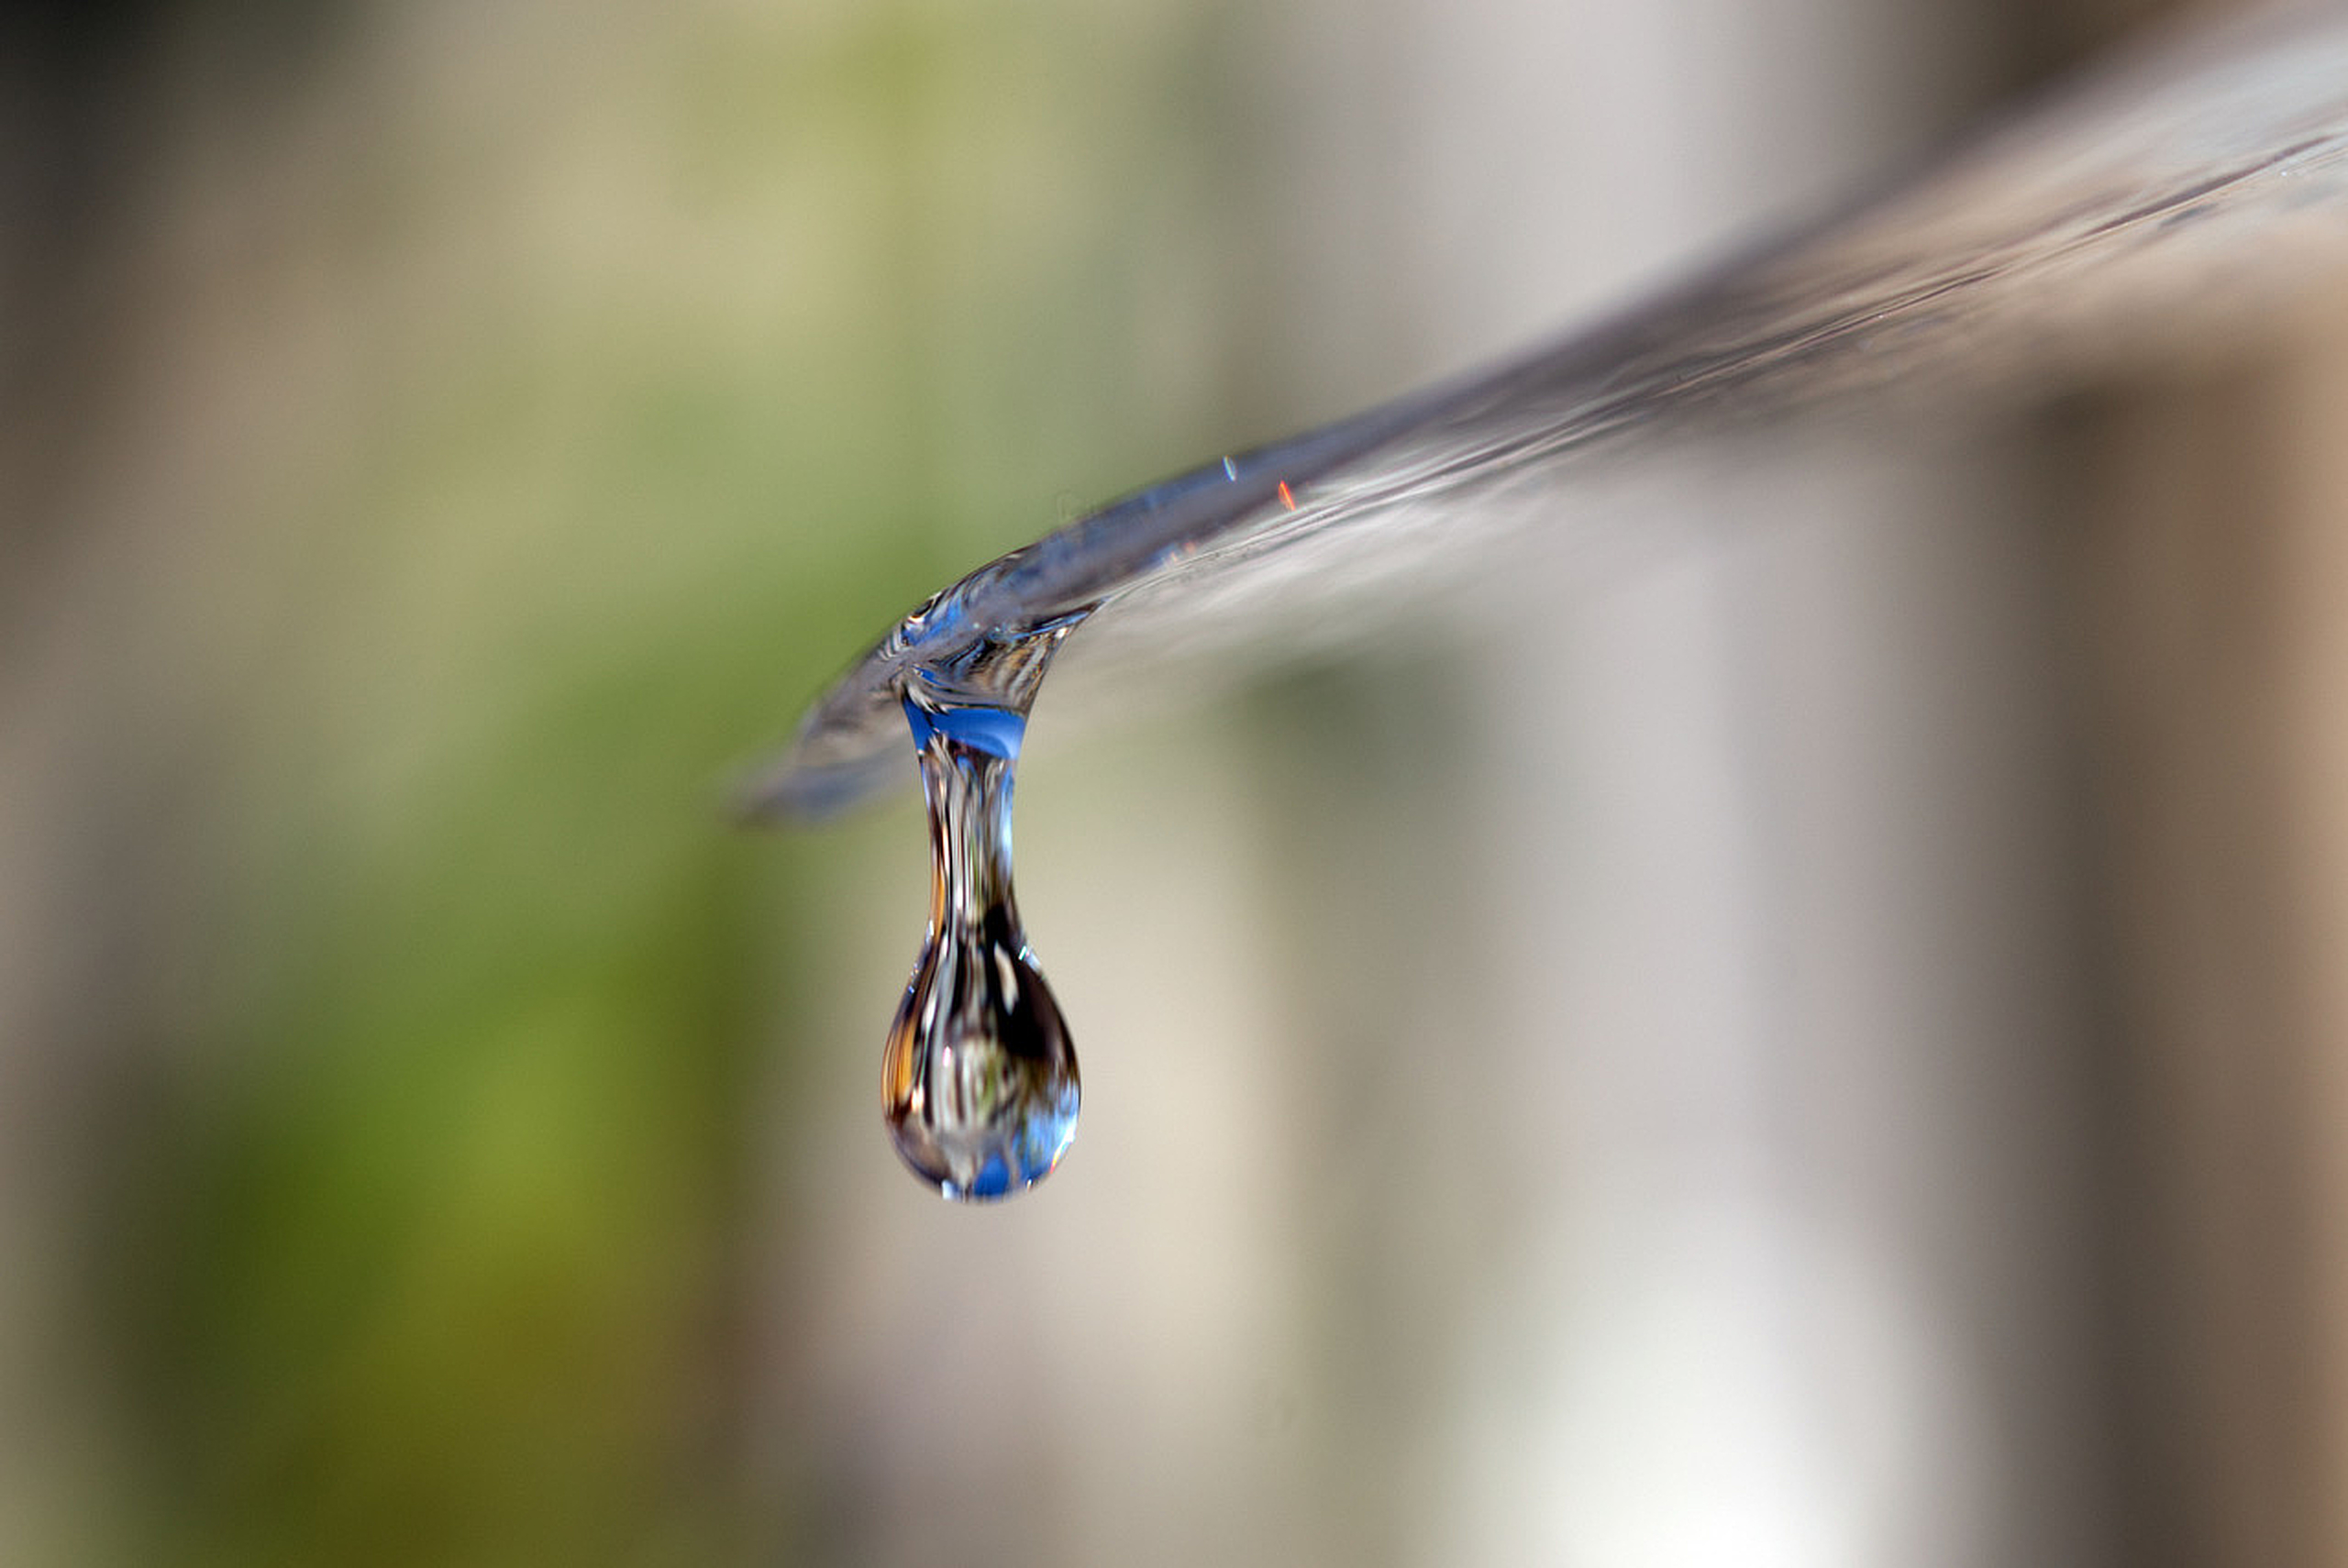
[{"x": 967, "y": 757}]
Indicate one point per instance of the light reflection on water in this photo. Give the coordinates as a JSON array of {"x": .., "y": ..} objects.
[
  {"x": 2181, "y": 191},
  {"x": 1573, "y": 1074}
]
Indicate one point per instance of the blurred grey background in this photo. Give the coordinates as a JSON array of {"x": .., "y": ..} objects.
[{"x": 1819, "y": 1043}]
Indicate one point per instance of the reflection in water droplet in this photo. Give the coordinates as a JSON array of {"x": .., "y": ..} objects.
[{"x": 979, "y": 1080}]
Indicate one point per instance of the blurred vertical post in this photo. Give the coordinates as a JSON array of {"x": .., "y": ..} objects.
[
  {"x": 2211, "y": 582},
  {"x": 2215, "y": 567}
]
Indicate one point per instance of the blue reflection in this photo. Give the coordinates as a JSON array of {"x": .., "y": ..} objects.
[{"x": 997, "y": 732}]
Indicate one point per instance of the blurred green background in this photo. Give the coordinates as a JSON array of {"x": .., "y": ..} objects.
[
  {"x": 1625, "y": 1083},
  {"x": 482, "y": 427}
]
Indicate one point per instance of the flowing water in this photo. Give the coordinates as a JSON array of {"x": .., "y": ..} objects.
[{"x": 2192, "y": 184}]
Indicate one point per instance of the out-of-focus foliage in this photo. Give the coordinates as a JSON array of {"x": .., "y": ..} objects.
[{"x": 534, "y": 404}]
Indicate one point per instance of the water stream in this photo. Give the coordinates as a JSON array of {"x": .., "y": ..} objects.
[{"x": 2140, "y": 204}]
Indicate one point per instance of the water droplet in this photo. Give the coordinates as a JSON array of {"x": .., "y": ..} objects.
[{"x": 979, "y": 1081}]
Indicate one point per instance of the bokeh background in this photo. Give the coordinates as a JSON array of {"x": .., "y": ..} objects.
[{"x": 1818, "y": 1043}]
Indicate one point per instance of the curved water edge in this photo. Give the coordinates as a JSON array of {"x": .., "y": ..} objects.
[{"x": 2113, "y": 215}]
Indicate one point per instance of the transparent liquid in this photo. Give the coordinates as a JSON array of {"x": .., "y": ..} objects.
[
  {"x": 979, "y": 1079},
  {"x": 2140, "y": 204}
]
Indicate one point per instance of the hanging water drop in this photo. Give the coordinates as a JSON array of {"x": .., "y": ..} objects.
[{"x": 979, "y": 1080}]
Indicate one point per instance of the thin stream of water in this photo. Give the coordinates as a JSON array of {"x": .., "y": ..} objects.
[
  {"x": 2134, "y": 207},
  {"x": 2170, "y": 191}
]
